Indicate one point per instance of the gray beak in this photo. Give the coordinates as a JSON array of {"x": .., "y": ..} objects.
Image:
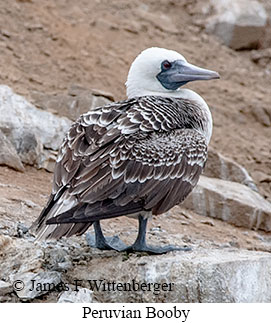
[
  {"x": 185, "y": 72},
  {"x": 181, "y": 72}
]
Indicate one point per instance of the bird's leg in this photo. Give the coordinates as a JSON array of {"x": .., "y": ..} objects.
[
  {"x": 102, "y": 243},
  {"x": 140, "y": 243}
]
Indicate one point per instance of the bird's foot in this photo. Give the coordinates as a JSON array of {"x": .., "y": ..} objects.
[
  {"x": 153, "y": 250},
  {"x": 109, "y": 243}
]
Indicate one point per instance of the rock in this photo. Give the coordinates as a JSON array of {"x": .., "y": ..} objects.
[
  {"x": 262, "y": 177},
  {"x": 225, "y": 168},
  {"x": 201, "y": 275},
  {"x": 231, "y": 202},
  {"x": 30, "y": 285},
  {"x": 261, "y": 57},
  {"x": 207, "y": 222},
  {"x": 6, "y": 243},
  {"x": 5, "y": 288},
  {"x": 57, "y": 259},
  {"x": 262, "y": 115},
  {"x": 8, "y": 154},
  {"x": 83, "y": 295},
  {"x": 238, "y": 24},
  {"x": 30, "y": 130},
  {"x": 266, "y": 41},
  {"x": 216, "y": 275},
  {"x": 14, "y": 208},
  {"x": 21, "y": 230},
  {"x": 19, "y": 255},
  {"x": 72, "y": 104},
  {"x": 48, "y": 159},
  {"x": 30, "y": 261}
]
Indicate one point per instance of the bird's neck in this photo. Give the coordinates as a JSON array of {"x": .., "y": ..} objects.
[{"x": 190, "y": 95}]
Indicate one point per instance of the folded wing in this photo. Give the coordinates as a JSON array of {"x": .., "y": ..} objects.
[{"x": 119, "y": 160}]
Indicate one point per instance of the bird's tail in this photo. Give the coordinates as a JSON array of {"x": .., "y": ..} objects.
[
  {"x": 86, "y": 213},
  {"x": 54, "y": 207}
]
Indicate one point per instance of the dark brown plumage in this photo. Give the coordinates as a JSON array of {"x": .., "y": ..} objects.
[
  {"x": 136, "y": 157},
  {"x": 142, "y": 154}
]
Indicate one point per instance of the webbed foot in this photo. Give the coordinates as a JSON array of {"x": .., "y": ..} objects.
[{"x": 109, "y": 243}]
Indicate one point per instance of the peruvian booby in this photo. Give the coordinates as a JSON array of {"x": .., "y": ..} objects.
[{"x": 138, "y": 157}]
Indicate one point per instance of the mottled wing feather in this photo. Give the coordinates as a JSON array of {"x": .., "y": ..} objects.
[
  {"x": 82, "y": 145},
  {"x": 139, "y": 154},
  {"x": 156, "y": 186},
  {"x": 170, "y": 165},
  {"x": 87, "y": 140}
]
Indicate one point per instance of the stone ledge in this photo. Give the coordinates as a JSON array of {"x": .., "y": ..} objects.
[
  {"x": 198, "y": 276},
  {"x": 231, "y": 202}
]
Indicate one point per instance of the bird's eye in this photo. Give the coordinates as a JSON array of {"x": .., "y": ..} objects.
[{"x": 166, "y": 65}]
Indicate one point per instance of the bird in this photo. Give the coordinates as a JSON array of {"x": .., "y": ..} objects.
[{"x": 138, "y": 157}]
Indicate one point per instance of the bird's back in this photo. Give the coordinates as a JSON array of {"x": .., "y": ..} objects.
[{"x": 144, "y": 154}]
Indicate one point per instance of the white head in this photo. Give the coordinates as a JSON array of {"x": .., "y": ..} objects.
[{"x": 159, "y": 71}]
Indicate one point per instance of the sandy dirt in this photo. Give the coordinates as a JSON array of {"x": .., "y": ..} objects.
[{"x": 47, "y": 46}]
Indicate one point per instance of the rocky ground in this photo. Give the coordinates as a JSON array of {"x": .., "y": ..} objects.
[{"x": 55, "y": 54}]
